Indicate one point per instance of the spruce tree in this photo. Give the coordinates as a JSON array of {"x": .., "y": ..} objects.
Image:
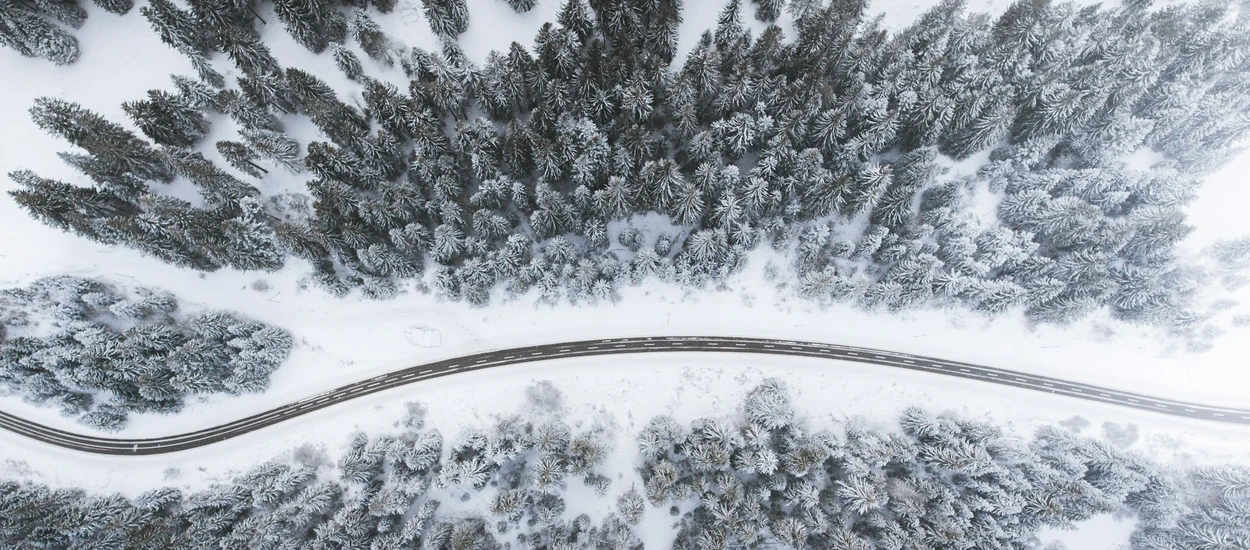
[
  {"x": 24, "y": 29},
  {"x": 314, "y": 23},
  {"x": 167, "y": 119},
  {"x": 177, "y": 28},
  {"x": 120, "y": 7},
  {"x": 118, "y": 152},
  {"x": 241, "y": 157},
  {"x": 522, "y": 6},
  {"x": 447, "y": 18}
]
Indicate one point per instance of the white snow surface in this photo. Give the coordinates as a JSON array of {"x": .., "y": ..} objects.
[{"x": 344, "y": 340}]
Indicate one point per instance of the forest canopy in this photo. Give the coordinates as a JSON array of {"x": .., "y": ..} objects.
[
  {"x": 99, "y": 352},
  {"x": 832, "y": 142},
  {"x": 764, "y": 477}
]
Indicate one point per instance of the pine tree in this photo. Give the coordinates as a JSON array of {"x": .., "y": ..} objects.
[
  {"x": 177, "y": 28},
  {"x": 167, "y": 119},
  {"x": 241, "y": 157},
  {"x": 117, "y": 151},
  {"x": 314, "y": 23},
  {"x": 276, "y": 147},
  {"x": 370, "y": 37},
  {"x": 522, "y": 6},
  {"x": 76, "y": 209},
  {"x": 768, "y": 10},
  {"x": 120, "y": 7},
  {"x": 447, "y": 18},
  {"x": 26, "y": 31},
  {"x": 347, "y": 62},
  {"x": 250, "y": 55}
]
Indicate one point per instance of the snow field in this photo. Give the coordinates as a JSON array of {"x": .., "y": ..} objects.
[{"x": 343, "y": 340}]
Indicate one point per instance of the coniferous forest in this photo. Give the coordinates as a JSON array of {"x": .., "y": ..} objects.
[
  {"x": 1038, "y": 160},
  {"x": 99, "y": 352},
  {"x": 762, "y": 478},
  {"x": 1090, "y": 128}
]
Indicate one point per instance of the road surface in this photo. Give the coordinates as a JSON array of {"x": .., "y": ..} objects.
[{"x": 588, "y": 348}]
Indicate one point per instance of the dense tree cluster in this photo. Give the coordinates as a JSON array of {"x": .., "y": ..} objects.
[
  {"x": 758, "y": 480},
  {"x": 530, "y": 172},
  {"x": 382, "y": 493},
  {"x": 99, "y": 352},
  {"x": 940, "y": 483}
]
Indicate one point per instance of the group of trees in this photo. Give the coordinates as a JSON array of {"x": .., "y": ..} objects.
[
  {"x": 760, "y": 479},
  {"x": 528, "y": 172},
  {"x": 939, "y": 483},
  {"x": 37, "y": 28},
  {"x": 382, "y": 493},
  {"x": 99, "y": 352}
]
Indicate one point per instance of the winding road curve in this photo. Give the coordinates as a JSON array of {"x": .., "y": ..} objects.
[{"x": 613, "y": 346}]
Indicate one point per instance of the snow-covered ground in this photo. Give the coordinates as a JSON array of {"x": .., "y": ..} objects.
[
  {"x": 343, "y": 340},
  {"x": 627, "y": 391}
]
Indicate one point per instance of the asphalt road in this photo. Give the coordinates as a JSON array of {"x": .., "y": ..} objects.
[{"x": 589, "y": 348}]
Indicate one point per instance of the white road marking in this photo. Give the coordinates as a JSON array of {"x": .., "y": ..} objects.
[
  {"x": 426, "y": 370},
  {"x": 593, "y": 347}
]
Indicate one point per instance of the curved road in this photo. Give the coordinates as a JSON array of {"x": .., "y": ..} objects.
[{"x": 490, "y": 359}]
